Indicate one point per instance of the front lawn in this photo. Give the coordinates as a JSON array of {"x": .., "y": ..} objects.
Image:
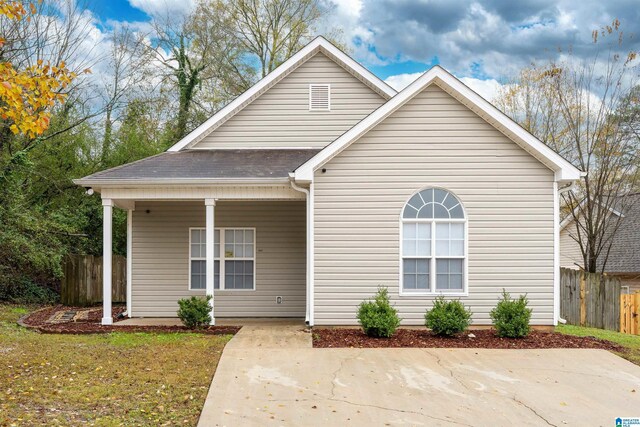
[
  {"x": 104, "y": 380},
  {"x": 630, "y": 342}
]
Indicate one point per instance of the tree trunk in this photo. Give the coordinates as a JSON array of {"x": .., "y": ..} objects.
[{"x": 108, "y": 130}]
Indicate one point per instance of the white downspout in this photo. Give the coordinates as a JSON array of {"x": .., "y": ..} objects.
[
  {"x": 556, "y": 249},
  {"x": 309, "y": 244}
]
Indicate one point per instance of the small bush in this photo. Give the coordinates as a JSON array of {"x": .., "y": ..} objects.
[
  {"x": 195, "y": 312},
  {"x": 447, "y": 318},
  {"x": 511, "y": 317},
  {"x": 27, "y": 292},
  {"x": 378, "y": 318}
]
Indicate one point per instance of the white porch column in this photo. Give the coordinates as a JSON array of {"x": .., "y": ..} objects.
[
  {"x": 129, "y": 258},
  {"x": 209, "y": 232},
  {"x": 107, "y": 208}
]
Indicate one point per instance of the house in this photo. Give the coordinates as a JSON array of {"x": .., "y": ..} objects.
[
  {"x": 624, "y": 258},
  {"x": 321, "y": 183}
]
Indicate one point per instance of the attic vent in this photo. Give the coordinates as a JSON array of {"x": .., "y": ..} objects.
[{"x": 319, "y": 97}]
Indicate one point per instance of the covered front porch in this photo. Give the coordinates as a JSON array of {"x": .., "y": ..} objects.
[
  {"x": 244, "y": 246},
  {"x": 230, "y": 224}
]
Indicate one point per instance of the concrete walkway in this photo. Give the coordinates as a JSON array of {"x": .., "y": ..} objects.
[{"x": 270, "y": 376}]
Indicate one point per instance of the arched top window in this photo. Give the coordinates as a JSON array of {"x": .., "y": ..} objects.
[
  {"x": 433, "y": 244},
  {"x": 433, "y": 203}
]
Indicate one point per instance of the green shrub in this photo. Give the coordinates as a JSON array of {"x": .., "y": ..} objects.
[
  {"x": 511, "y": 317},
  {"x": 378, "y": 318},
  {"x": 447, "y": 317},
  {"x": 24, "y": 291},
  {"x": 195, "y": 312}
]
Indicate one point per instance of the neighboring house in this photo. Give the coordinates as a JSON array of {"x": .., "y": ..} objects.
[
  {"x": 321, "y": 183},
  {"x": 624, "y": 257}
]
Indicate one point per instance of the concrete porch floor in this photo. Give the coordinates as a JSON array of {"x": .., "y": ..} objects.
[{"x": 221, "y": 321}]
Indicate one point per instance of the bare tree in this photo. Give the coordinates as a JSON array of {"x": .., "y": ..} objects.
[
  {"x": 126, "y": 79},
  {"x": 195, "y": 49},
  {"x": 584, "y": 110},
  {"x": 273, "y": 30}
]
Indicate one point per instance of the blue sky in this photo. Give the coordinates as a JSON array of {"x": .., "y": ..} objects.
[
  {"x": 484, "y": 41},
  {"x": 117, "y": 10}
]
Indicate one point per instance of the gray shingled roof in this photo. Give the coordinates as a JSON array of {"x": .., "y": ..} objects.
[
  {"x": 625, "y": 250},
  {"x": 208, "y": 165}
]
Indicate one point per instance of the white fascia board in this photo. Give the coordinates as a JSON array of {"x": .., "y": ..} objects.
[
  {"x": 564, "y": 171},
  {"x": 316, "y": 45},
  {"x": 361, "y": 72}
]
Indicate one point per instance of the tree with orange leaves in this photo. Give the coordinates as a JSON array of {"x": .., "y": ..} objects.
[{"x": 27, "y": 96}]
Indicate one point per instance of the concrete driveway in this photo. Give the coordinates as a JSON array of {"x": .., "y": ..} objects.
[{"x": 272, "y": 376}]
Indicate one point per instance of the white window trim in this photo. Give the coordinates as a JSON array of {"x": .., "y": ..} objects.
[
  {"x": 222, "y": 259},
  {"x": 328, "y": 86},
  {"x": 432, "y": 263}
]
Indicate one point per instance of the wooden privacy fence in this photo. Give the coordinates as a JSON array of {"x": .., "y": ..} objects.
[
  {"x": 630, "y": 313},
  {"x": 82, "y": 282},
  {"x": 590, "y": 299}
]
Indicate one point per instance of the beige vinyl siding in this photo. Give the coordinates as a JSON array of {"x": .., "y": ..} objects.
[
  {"x": 160, "y": 272},
  {"x": 570, "y": 253},
  {"x": 281, "y": 118},
  {"x": 433, "y": 140}
]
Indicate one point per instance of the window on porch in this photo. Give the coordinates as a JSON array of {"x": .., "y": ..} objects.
[{"x": 234, "y": 268}]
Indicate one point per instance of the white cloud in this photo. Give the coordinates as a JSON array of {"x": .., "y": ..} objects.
[
  {"x": 400, "y": 81},
  {"x": 488, "y": 89},
  {"x": 349, "y": 7},
  {"x": 163, "y": 8}
]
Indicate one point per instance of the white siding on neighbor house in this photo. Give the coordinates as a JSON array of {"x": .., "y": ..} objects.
[
  {"x": 433, "y": 140},
  {"x": 630, "y": 280},
  {"x": 160, "y": 271},
  {"x": 281, "y": 118},
  {"x": 570, "y": 253}
]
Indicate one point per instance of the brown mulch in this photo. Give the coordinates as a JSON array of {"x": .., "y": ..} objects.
[
  {"x": 334, "y": 338},
  {"x": 96, "y": 328},
  {"x": 37, "y": 320},
  {"x": 40, "y": 317}
]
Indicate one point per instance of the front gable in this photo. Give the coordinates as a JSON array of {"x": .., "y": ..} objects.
[
  {"x": 433, "y": 141},
  {"x": 281, "y": 118},
  {"x": 266, "y": 125},
  {"x": 564, "y": 172}
]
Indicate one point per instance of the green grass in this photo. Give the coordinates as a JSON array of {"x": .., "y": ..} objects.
[
  {"x": 133, "y": 379},
  {"x": 630, "y": 342}
]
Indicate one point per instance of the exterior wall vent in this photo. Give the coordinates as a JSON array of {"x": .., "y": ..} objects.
[{"x": 319, "y": 97}]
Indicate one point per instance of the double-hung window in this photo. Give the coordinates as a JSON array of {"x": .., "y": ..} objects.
[
  {"x": 234, "y": 265},
  {"x": 433, "y": 244}
]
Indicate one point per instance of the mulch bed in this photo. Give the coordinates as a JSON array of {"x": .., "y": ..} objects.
[
  {"x": 339, "y": 337},
  {"x": 37, "y": 320},
  {"x": 40, "y": 317}
]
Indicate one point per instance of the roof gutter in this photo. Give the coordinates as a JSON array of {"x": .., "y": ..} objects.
[{"x": 178, "y": 181}]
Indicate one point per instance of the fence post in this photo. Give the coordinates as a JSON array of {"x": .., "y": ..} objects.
[{"x": 583, "y": 300}]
